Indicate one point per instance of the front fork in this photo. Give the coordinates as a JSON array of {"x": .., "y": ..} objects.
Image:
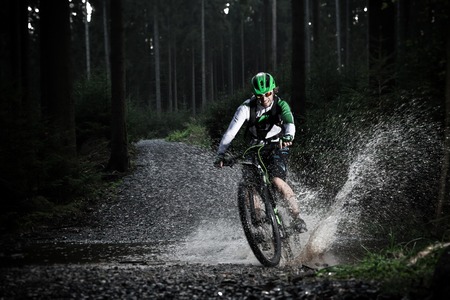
[
  {"x": 250, "y": 174},
  {"x": 269, "y": 193}
]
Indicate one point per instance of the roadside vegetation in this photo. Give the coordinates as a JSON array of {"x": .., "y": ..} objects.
[{"x": 402, "y": 270}]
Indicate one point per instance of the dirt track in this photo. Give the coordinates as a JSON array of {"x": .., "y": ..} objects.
[{"x": 172, "y": 232}]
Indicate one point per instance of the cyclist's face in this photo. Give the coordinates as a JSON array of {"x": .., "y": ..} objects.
[{"x": 265, "y": 99}]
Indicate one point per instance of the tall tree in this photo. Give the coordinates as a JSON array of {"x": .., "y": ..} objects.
[
  {"x": 308, "y": 38},
  {"x": 119, "y": 160},
  {"x": 231, "y": 69},
  {"x": 338, "y": 35},
  {"x": 175, "y": 77},
  {"x": 15, "y": 57},
  {"x": 157, "y": 59},
  {"x": 106, "y": 41},
  {"x": 267, "y": 34},
  {"x": 242, "y": 29},
  {"x": 16, "y": 112},
  {"x": 443, "y": 197},
  {"x": 348, "y": 24},
  {"x": 298, "y": 68},
  {"x": 273, "y": 60},
  {"x": 169, "y": 71},
  {"x": 193, "y": 102},
  {"x": 56, "y": 82},
  {"x": 203, "y": 40},
  {"x": 87, "y": 39}
]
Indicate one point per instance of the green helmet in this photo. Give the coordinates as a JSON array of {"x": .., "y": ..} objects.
[{"x": 262, "y": 83}]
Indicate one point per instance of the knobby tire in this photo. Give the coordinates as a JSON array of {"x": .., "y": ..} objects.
[{"x": 262, "y": 234}]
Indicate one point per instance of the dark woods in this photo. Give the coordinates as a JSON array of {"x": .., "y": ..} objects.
[{"x": 78, "y": 85}]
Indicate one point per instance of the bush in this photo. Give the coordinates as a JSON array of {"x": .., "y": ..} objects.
[{"x": 194, "y": 133}]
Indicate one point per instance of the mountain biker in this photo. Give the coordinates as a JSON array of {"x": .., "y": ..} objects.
[{"x": 270, "y": 120}]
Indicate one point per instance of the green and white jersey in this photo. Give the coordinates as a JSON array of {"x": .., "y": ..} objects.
[{"x": 262, "y": 114}]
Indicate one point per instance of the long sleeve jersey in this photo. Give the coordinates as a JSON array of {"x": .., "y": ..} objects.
[{"x": 243, "y": 114}]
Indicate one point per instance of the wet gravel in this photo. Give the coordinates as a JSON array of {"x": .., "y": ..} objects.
[
  {"x": 146, "y": 243},
  {"x": 193, "y": 281}
]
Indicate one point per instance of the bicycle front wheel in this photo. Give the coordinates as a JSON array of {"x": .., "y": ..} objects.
[{"x": 260, "y": 225}]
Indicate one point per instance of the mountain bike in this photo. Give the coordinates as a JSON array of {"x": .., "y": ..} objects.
[{"x": 263, "y": 225}]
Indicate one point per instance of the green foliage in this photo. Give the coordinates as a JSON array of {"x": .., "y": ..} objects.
[
  {"x": 400, "y": 269},
  {"x": 144, "y": 123},
  {"x": 207, "y": 129},
  {"x": 194, "y": 133}
]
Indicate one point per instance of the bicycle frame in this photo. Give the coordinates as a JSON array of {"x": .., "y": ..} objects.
[{"x": 265, "y": 185}]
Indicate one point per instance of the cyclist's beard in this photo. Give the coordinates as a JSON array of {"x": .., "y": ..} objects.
[{"x": 268, "y": 103}]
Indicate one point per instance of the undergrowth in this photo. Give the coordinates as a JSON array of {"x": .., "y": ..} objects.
[
  {"x": 401, "y": 269},
  {"x": 193, "y": 133}
]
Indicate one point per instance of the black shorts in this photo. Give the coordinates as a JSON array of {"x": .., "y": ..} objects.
[{"x": 276, "y": 163}]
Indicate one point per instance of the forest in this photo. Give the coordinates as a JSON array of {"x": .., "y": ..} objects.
[{"x": 81, "y": 81}]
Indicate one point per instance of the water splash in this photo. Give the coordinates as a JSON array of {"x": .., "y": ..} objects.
[
  {"x": 390, "y": 182},
  {"x": 378, "y": 180},
  {"x": 214, "y": 242}
]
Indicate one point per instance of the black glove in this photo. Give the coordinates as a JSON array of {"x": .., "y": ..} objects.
[
  {"x": 287, "y": 138},
  {"x": 219, "y": 160}
]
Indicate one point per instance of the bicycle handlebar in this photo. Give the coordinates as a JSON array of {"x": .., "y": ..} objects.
[{"x": 256, "y": 149}]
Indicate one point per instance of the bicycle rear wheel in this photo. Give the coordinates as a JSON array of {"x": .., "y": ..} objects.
[{"x": 260, "y": 225}]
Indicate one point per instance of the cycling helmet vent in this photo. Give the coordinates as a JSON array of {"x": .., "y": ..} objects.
[{"x": 262, "y": 83}]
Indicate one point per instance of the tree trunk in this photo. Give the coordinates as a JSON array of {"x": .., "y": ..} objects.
[
  {"x": 119, "y": 160},
  {"x": 273, "y": 61},
  {"x": 231, "y": 80},
  {"x": 170, "y": 85},
  {"x": 307, "y": 38},
  {"x": 211, "y": 79},
  {"x": 56, "y": 82},
  {"x": 242, "y": 52},
  {"x": 443, "y": 198},
  {"x": 267, "y": 9},
  {"x": 348, "y": 32},
  {"x": 175, "y": 75},
  {"x": 106, "y": 41},
  {"x": 194, "y": 110},
  {"x": 14, "y": 58},
  {"x": 298, "y": 92},
  {"x": 203, "y": 56},
  {"x": 86, "y": 36},
  {"x": 338, "y": 36},
  {"x": 157, "y": 61}
]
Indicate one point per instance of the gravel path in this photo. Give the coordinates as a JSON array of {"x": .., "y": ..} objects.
[{"x": 172, "y": 232}]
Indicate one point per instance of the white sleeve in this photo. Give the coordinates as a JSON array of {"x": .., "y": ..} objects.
[
  {"x": 242, "y": 114},
  {"x": 289, "y": 128}
]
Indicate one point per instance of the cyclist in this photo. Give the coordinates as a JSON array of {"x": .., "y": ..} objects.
[{"x": 270, "y": 120}]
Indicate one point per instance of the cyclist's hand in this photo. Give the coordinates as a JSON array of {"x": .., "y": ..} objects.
[
  {"x": 286, "y": 141},
  {"x": 218, "y": 163}
]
